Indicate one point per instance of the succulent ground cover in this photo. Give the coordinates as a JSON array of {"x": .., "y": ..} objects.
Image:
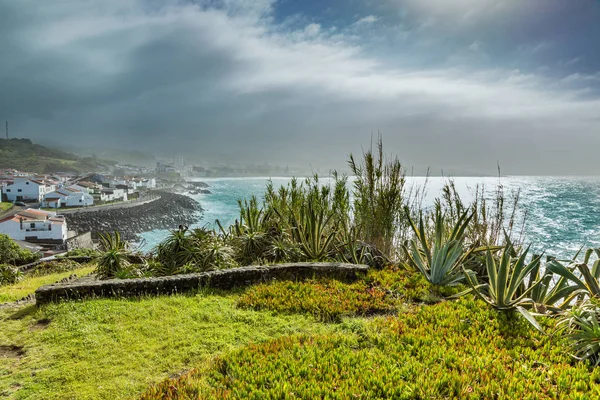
[{"x": 452, "y": 349}]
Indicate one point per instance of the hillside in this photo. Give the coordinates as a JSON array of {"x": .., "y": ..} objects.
[{"x": 24, "y": 155}]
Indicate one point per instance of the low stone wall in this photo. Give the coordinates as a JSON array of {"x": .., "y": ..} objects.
[{"x": 221, "y": 279}]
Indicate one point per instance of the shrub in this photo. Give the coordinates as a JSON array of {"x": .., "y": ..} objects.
[
  {"x": 115, "y": 255},
  {"x": 11, "y": 253},
  {"x": 9, "y": 274},
  {"x": 51, "y": 267},
  {"x": 379, "y": 199},
  {"x": 438, "y": 259},
  {"x": 505, "y": 290},
  {"x": 581, "y": 327}
]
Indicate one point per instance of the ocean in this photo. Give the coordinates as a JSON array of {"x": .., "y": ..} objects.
[{"x": 562, "y": 213}]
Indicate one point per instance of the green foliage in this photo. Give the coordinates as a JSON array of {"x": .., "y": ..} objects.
[
  {"x": 313, "y": 232},
  {"x": 440, "y": 258},
  {"x": 196, "y": 250},
  {"x": 9, "y": 274},
  {"x": 24, "y": 155},
  {"x": 379, "y": 199},
  {"x": 115, "y": 348},
  {"x": 585, "y": 279},
  {"x": 52, "y": 267},
  {"x": 11, "y": 253},
  {"x": 581, "y": 327},
  {"x": 115, "y": 255},
  {"x": 75, "y": 253},
  {"x": 451, "y": 350},
  {"x": 380, "y": 292},
  {"x": 29, "y": 283},
  {"x": 506, "y": 290}
]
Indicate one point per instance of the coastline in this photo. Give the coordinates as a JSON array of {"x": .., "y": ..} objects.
[{"x": 167, "y": 212}]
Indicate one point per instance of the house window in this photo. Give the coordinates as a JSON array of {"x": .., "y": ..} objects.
[
  {"x": 8, "y": 190},
  {"x": 80, "y": 200},
  {"x": 32, "y": 225},
  {"x": 27, "y": 183},
  {"x": 19, "y": 190}
]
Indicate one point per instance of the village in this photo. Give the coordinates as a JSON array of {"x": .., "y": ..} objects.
[{"x": 34, "y": 205}]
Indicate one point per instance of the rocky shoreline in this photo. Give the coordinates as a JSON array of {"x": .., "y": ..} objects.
[{"x": 168, "y": 212}]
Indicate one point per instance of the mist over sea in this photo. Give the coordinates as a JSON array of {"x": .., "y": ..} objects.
[{"x": 562, "y": 213}]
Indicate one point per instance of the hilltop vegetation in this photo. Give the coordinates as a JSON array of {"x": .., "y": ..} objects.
[{"x": 23, "y": 154}]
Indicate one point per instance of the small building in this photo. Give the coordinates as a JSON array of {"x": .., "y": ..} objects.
[
  {"x": 35, "y": 226},
  {"x": 26, "y": 189},
  {"x": 113, "y": 194},
  {"x": 71, "y": 196}
]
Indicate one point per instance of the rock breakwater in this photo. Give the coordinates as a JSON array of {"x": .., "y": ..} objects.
[{"x": 168, "y": 212}]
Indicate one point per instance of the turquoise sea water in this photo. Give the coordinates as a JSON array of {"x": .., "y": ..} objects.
[{"x": 562, "y": 213}]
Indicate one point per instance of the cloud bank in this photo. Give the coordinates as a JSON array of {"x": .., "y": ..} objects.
[{"x": 456, "y": 85}]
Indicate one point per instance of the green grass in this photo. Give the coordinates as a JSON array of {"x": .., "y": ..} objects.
[
  {"x": 114, "y": 349},
  {"x": 29, "y": 284},
  {"x": 267, "y": 342},
  {"x": 5, "y": 206}
]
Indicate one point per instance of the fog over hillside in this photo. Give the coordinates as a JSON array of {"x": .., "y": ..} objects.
[{"x": 459, "y": 86}]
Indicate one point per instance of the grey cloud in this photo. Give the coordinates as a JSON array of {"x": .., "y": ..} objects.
[{"x": 227, "y": 83}]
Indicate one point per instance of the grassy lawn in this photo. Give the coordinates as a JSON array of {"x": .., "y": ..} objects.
[
  {"x": 388, "y": 335},
  {"x": 5, "y": 206},
  {"x": 28, "y": 285},
  {"x": 114, "y": 349}
]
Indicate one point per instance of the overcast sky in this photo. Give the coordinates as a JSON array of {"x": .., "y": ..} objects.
[{"x": 452, "y": 84}]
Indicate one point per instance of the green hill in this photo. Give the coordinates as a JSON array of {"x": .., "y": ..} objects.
[{"x": 24, "y": 155}]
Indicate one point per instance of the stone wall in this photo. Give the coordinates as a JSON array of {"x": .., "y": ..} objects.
[
  {"x": 221, "y": 279},
  {"x": 81, "y": 241}
]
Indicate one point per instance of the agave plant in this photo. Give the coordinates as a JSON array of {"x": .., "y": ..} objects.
[
  {"x": 581, "y": 327},
  {"x": 588, "y": 284},
  {"x": 439, "y": 259},
  {"x": 281, "y": 249},
  {"x": 313, "y": 233},
  {"x": 114, "y": 256},
  {"x": 506, "y": 279},
  {"x": 550, "y": 294}
]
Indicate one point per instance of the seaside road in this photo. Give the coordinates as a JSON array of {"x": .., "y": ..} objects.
[{"x": 114, "y": 206}]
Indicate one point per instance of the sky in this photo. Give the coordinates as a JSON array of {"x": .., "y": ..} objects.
[{"x": 453, "y": 85}]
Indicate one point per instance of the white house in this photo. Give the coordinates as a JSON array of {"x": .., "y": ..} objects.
[
  {"x": 35, "y": 226},
  {"x": 107, "y": 194},
  {"x": 27, "y": 189},
  {"x": 71, "y": 196}
]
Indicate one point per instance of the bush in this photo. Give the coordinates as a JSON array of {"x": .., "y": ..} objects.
[
  {"x": 9, "y": 274},
  {"x": 75, "y": 253},
  {"x": 52, "y": 267},
  {"x": 11, "y": 253}
]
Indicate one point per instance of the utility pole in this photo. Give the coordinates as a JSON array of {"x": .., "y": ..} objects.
[{"x": 6, "y": 130}]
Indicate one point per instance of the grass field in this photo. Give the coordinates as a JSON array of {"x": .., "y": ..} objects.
[
  {"x": 388, "y": 335},
  {"x": 5, "y": 206},
  {"x": 28, "y": 285}
]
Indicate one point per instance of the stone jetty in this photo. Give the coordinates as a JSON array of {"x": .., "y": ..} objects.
[{"x": 167, "y": 212}]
